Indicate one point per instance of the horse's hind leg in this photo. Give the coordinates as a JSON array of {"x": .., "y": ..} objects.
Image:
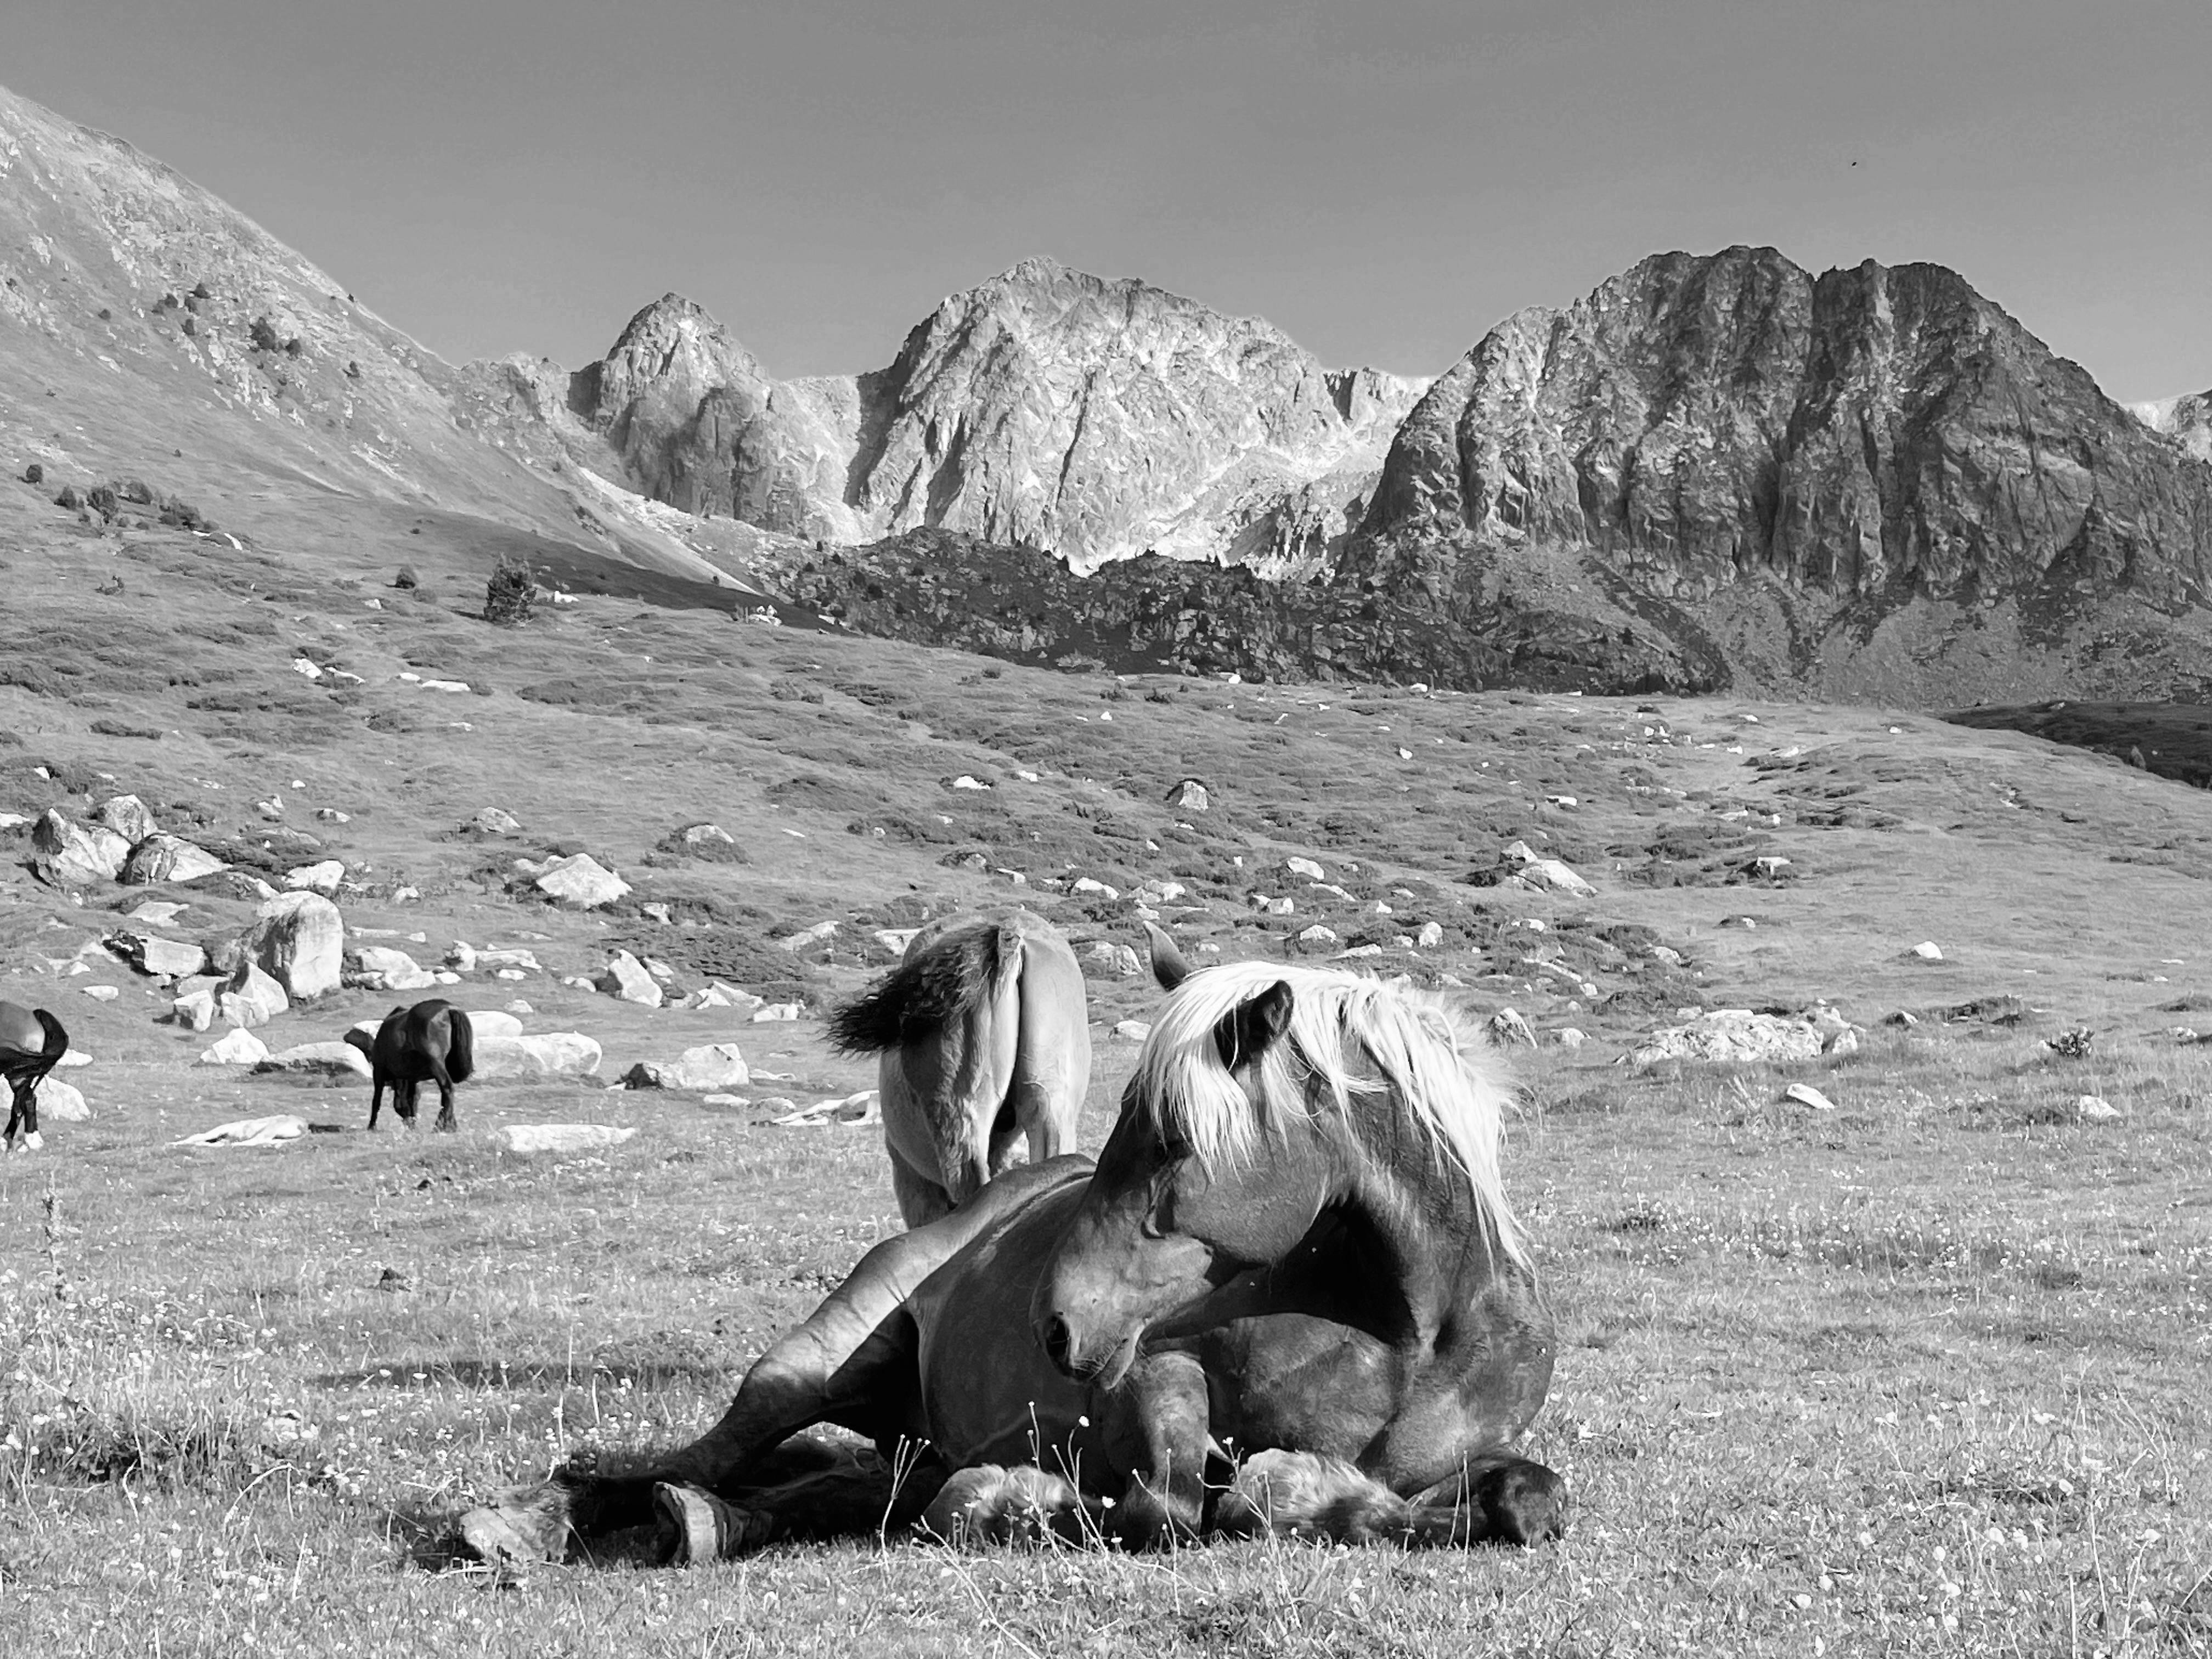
[
  {"x": 693, "y": 1526},
  {"x": 920, "y": 1200},
  {"x": 447, "y": 1121}
]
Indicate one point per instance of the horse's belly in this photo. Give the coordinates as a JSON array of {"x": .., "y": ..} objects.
[{"x": 988, "y": 1394}]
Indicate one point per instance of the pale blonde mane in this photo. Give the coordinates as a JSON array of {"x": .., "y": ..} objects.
[{"x": 1446, "y": 1078}]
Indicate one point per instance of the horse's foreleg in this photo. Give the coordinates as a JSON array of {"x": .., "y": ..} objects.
[
  {"x": 1495, "y": 1499},
  {"x": 1158, "y": 1431}
]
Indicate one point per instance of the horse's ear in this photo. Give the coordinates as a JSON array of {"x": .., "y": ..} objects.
[
  {"x": 1248, "y": 1030},
  {"x": 1169, "y": 966}
]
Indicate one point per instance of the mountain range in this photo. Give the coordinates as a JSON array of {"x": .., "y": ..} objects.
[{"x": 1721, "y": 469}]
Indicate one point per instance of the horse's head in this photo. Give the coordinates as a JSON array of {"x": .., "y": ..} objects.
[{"x": 1214, "y": 1168}]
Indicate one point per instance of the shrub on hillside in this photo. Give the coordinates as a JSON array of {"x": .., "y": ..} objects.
[{"x": 511, "y": 594}]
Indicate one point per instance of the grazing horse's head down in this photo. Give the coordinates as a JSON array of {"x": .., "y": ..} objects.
[
  {"x": 32, "y": 1043},
  {"x": 1276, "y": 1107}
]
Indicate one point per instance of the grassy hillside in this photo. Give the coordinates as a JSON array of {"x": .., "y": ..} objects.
[{"x": 1924, "y": 1372}]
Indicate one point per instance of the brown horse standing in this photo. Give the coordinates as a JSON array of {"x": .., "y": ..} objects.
[
  {"x": 1294, "y": 1251},
  {"x": 32, "y": 1043},
  {"x": 983, "y": 1038},
  {"x": 431, "y": 1042}
]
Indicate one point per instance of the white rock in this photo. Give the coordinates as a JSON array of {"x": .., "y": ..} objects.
[
  {"x": 160, "y": 858},
  {"x": 485, "y": 1024},
  {"x": 1133, "y": 1030},
  {"x": 519, "y": 1006},
  {"x": 62, "y": 1103},
  {"x": 1305, "y": 867},
  {"x": 895, "y": 939},
  {"x": 580, "y": 880},
  {"x": 725, "y": 1102},
  {"x": 492, "y": 821},
  {"x": 73, "y": 1058},
  {"x": 626, "y": 977},
  {"x": 1736, "y": 1036},
  {"x": 713, "y": 1066},
  {"x": 1091, "y": 885},
  {"x": 299, "y": 939},
  {"x": 489, "y": 958},
  {"x": 1120, "y": 960},
  {"x": 128, "y": 816},
  {"x": 237, "y": 1047},
  {"x": 322, "y": 877},
  {"x": 964, "y": 781},
  {"x": 1190, "y": 795},
  {"x": 2094, "y": 1108},
  {"x": 251, "y": 996},
  {"x": 462, "y": 957},
  {"x": 157, "y": 912},
  {"x": 1317, "y": 938},
  {"x": 1806, "y": 1094},
  {"x": 445, "y": 685},
  {"x": 195, "y": 1010},
  {"x": 776, "y": 1010},
  {"x": 1928, "y": 950},
  {"x": 306, "y": 668},
  {"x": 563, "y": 1137},
  {"x": 1568, "y": 1037},
  {"x": 554, "y": 1054},
  {"x": 78, "y": 854},
  {"x": 378, "y": 967},
  {"x": 102, "y": 992},
  {"x": 1431, "y": 936}
]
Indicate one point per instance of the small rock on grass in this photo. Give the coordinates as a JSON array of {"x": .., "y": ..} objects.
[
  {"x": 528, "y": 1137},
  {"x": 1806, "y": 1094},
  {"x": 2095, "y": 1108}
]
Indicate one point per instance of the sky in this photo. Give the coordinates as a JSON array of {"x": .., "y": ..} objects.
[{"x": 1382, "y": 180}]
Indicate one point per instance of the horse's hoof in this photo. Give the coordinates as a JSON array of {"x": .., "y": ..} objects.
[
  {"x": 34, "y": 1142},
  {"x": 692, "y": 1527}
]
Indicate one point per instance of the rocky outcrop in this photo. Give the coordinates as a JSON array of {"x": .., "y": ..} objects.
[
  {"x": 1862, "y": 441},
  {"x": 1046, "y": 409}
]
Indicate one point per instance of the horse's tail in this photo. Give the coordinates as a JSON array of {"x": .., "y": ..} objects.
[
  {"x": 57, "y": 1037},
  {"x": 954, "y": 972},
  {"x": 460, "y": 1044}
]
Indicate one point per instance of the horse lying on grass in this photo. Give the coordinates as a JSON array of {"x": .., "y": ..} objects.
[
  {"x": 1294, "y": 1250},
  {"x": 983, "y": 1037},
  {"x": 32, "y": 1043},
  {"x": 432, "y": 1040}
]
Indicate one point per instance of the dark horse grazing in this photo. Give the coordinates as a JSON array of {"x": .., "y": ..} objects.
[
  {"x": 32, "y": 1043},
  {"x": 1290, "y": 1296},
  {"x": 983, "y": 1037},
  {"x": 432, "y": 1040}
]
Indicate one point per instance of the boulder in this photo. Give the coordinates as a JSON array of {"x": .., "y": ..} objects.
[
  {"x": 251, "y": 996},
  {"x": 1542, "y": 873},
  {"x": 1189, "y": 796},
  {"x": 238, "y": 1048},
  {"x": 127, "y": 815},
  {"x": 157, "y": 912},
  {"x": 527, "y": 1138},
  {"x": 488, "y": 1024},
  {"x": 195, "y": 1010},
  {"x": 72, "y": 854},
  {"x": 1316, "y": 940},
  {"x": 626, "y": 977},
  {"x": 554, "y": 1054},
  {"x": 580, "y": 880},
  {"x": 316, "y": 1059},
  {"x": 712, "y": 1066},
  {"x": 491, "y": 821},
  {"x": 1117, "y": 961},
  {"x": 163, "y": 959},
  {"x": 102, "y": 992},
  {"x": 719, "y": 995},
  {"x": 523, "y": 959},
  {"x": 1928, "y": 950},
  {"x": 1305, "y": 867},
  {"x": 1508, "y": 1027},
  {"x": 378, "y": 967},
  {"x": 323, "y": 878},
  {"x": 706, "y": 834},
  {"x": 807, "y": 936},
  {"x": 1737, "y": 1036},
  {"x": 769, "y": 1013},
  {"x": 1431, "y": 936},
  {"x": 1133, "y": 1030},
  {"x": 62, "y": 1103},
  {"x": 299, "y": 939},
  {"x": 160, "y": 858}
]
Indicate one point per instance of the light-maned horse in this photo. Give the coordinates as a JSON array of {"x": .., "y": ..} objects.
[
  {"x": 1289, "y": 1295},
  {"x": 32, "y": 1043},
  {"x": 982, "y": 1037},
  {"x": 431, "y": 1041}
]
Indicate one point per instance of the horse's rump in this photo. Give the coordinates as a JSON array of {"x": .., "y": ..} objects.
[
  {"x": 20, "y": 1065},
  {"x": 460, "y": 1044},
  {"x": 951, "y": 975}
]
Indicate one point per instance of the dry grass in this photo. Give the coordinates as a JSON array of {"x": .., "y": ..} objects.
[{"x": 1925, "y": 1373}]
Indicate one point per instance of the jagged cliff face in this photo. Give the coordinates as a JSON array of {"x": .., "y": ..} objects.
[
  {"x": 1094, "y": 420},
  {"x": 1871, "y": 434}
]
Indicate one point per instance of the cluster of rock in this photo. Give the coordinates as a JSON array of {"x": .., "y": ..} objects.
[
  {"x": 644, "y": 981},
  {"x": 1741, "y": 1036},
  {"x": 119, "y": 842}
]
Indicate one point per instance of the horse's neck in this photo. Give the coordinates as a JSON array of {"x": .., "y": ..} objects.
[{"x": 1423, "y": 1228}]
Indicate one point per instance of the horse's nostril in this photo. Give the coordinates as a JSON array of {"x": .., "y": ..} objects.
[{"x": 1057, "y": 1340}]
